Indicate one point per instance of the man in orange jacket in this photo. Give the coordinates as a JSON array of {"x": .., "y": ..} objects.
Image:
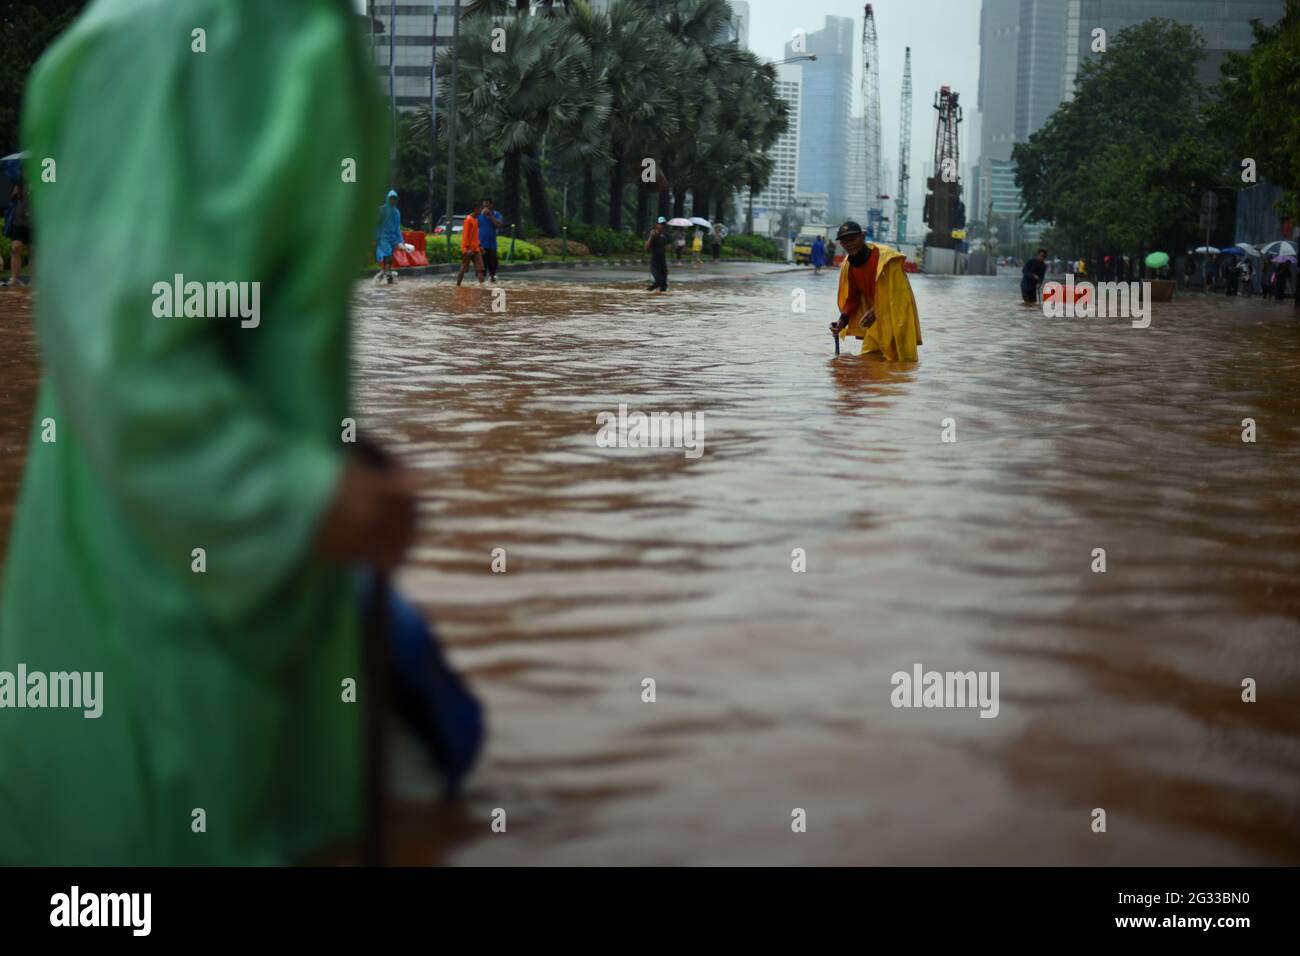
[
  {"x": 875, "y": 299},
  {"x": 469, "y": 246}
]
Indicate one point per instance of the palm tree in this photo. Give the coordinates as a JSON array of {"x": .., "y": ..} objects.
[
  {"x": 641, "y": 73},
  {"x": 594, "y": 29},
  {"x": 602, "y": 91},
  {"x": 514, "y": 102},
  {"x": 695, "y": 25},
  {"x": 752, "y": 117}
]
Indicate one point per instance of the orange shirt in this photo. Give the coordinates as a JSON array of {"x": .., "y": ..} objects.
[
  {"x": 469, "y": 235},
  {"x": 862, "y": 283}
]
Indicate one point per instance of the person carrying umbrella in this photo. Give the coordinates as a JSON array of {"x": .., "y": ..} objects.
[
  {"x": 1282, "y": 276},
  {"x": 1232, "y": 277},
  {"x": 1245, "y": 276},
  {"x": 875, "y": 298}
]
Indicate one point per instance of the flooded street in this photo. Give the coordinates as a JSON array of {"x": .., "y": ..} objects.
[{"x": 1118, "y": 690}]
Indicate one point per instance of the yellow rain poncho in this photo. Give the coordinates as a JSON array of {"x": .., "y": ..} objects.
[
  {"x": 885, "y": 293},
  {"x": 223, "y": 157}
]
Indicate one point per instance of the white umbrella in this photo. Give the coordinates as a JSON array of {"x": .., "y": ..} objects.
[
  {"x": 700, "y": 221},
  {"x": 11, "y": 170},
  {"x": 1248, "y": 249},
  {"x": 679, "y": 222},
  {"x": 1279, "y": 248},
  {"x": 1206, "y": 251}
]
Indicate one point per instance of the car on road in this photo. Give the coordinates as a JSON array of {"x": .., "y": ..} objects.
[
  {"x": 457, "y": 225},
  {"x": 803, "y": 250}
]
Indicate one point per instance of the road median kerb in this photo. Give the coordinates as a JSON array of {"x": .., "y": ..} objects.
[{"x": 452, "y": 268}]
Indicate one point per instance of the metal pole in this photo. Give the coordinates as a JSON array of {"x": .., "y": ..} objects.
[
  {"x": 452, "y": 112},
  {"x": 433, "y": 115},
  {"x": 392, "y": 88}
]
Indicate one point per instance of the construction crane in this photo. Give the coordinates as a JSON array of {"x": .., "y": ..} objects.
[
  {"x": 944, "y": 210},
  {"x": 904, "y": 152},
  {"x": 871, "y": 120}
]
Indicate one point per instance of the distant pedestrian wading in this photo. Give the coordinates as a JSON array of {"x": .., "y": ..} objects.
[
  {"x": 489, "y": 222},
  {"x": 657, "y": 245},
  {"x": 471, "y": 253},
  {"x": 388, "y": 236}
]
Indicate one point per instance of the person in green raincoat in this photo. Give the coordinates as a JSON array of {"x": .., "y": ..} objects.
[{"x": 190, "y": 507}]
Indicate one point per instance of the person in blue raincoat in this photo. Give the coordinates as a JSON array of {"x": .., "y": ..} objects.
[
  {"x": 818, "y": 255},
  {"x": 388, "y": 236}
]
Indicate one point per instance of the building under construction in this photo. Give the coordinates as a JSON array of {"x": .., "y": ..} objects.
[
  {"x": 877, "y": 224},
  {"x": 945, "y": 212}
]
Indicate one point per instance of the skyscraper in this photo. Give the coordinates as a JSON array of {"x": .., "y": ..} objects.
[
  {"x": 826, "y": 104},
  {"x": 999, "y": 45},
  {"x": 856, "y": 201},
  {"x": 781, "y": 189},
  {"x": 1040, "y": 64},
  {"x": 740, "y": 17},
  {"x": 1022, "y": 81},
  {"x": 414, "y": 44},
  {"x": 1224, "y": 24}
]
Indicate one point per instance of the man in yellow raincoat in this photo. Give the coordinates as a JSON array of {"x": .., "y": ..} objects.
[
  {"x": 189, "y": 510},
  {"x": 875, "y": 299}
]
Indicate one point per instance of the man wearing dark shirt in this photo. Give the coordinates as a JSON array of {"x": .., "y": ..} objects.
[
  {"x": 1031, "y": 277},
  {"x": 657, "y": 245}
]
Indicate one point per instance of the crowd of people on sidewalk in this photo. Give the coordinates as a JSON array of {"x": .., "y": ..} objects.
[{"x": 1276, "y": 278}]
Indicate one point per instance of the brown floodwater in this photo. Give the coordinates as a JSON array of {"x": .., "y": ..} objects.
[{"x": 1118, "y": 690}]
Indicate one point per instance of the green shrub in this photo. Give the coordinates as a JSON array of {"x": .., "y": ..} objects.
[
  {"x": 524, "y": 251},
  {"x": 436, "y": 249},
  {"x": 758, "y": 247}
]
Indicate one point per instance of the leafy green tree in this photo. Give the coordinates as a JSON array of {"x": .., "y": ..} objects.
[
  {"x": 589, "y": 94},
  {"x": 695, "y": 26},
  {"x": 630, "y": 54},
  {"x": 1255, "y": 115},
  {"x": 1123, "y": 165},
  {"x": 511, "y": 103}
]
